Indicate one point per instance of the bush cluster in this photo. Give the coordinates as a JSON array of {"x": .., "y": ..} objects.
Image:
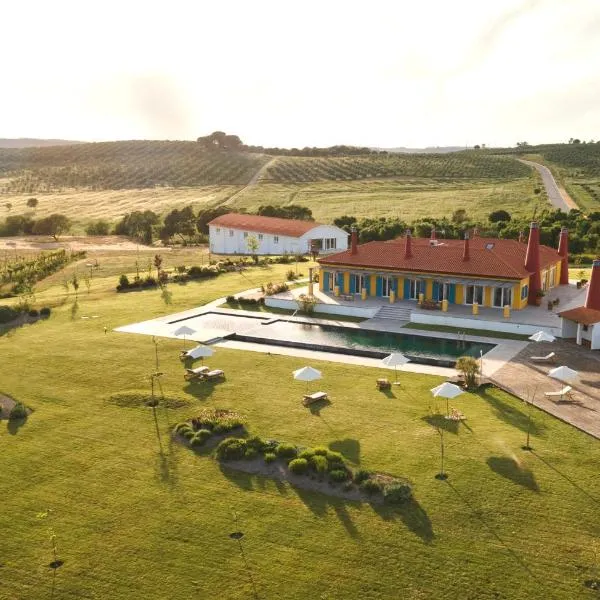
[
  {"x": 240, "y": 300},
  {"x": 10, "y": 313},
  {"x": 138, "y": 283},
  {"x": 270, "y": 289},
  {"x": 19, "y": 411}
]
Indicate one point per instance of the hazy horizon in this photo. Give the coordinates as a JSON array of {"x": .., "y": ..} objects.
[{"x": 387, "y": 75}]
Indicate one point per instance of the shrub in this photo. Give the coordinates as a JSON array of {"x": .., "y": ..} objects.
[
  {"x": 319, "y": 463},
  {"x": 370, "y": 486},
  {"x": 231, "y": 449},
  {"x": 200, "y": 437},
  {"x": 256, "y": 442},
  {"x": 320, "y": 451},
  {"x": 308, "y": 453},
  {"x": 334, "y": 457},
  {"x": 397, "y": 492},
  {"x": 270, "y": 446},
  {"x": 339, "y": 475},
  {"x": 44, "y": 312},
  {"x": 33, "y": 313},
  {"x": 270, "y": 457},
  {"x": 361, "y": 475},
  {"x": 286, "y": 451},
  {"x": 230, "y": 299},
  {"x": 19, "y": 411},
  {"x": 251, "y": 453},
  {"x": 290, "y": 275},
  {"x": 188, "y": 434},
  {"x": 123, "y": 282},
  {"x": 181, "y": 427},
  {"x": 298, "y": 466}
]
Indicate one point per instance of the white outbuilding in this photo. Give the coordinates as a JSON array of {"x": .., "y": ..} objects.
[{"x": 253, "y": 234}]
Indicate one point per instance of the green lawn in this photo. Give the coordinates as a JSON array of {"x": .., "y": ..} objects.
[{"x": 131, "y": 523}]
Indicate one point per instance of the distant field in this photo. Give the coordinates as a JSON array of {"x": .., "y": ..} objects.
[
  {"x": 455, "y": 165},
  {"x": 408, "y": 199}
]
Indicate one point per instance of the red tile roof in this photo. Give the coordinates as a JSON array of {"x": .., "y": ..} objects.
[
  {"x": 581, "y": 314},
  {"x": 275, "y": 225},
  {"x": 489, "y": 257}
]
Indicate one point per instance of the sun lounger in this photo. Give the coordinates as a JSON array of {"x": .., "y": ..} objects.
[
  {"x": 196, "y": 373},
  {"x": 383, "y": 384},
  {"x": 214, "y": 374},
  {"x": 566, "y": 391},
  {"x": 310, "y": 398},
  {"x": 547, "y": 358}
]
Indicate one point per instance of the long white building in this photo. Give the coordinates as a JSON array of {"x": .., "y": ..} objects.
[{"x": 238, "y": 233}]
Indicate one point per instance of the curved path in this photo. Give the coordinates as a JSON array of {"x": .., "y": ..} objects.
[
  {"x": 557, "y": 196},
  {"x": 255, "y": 179}
]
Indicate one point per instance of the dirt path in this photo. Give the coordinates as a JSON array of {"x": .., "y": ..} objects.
[
  {"x": 557, "y": 195},
  {"x": 109, "y": 243},
  {"x": 255, "y": 179}
]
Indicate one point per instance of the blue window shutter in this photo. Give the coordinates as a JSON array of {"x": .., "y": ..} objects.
[
  {"x": 352, "y": 284},
  {"x": 378, "y": 286},
  {"x": 340, "y": 281},
  {"x": 407, "y": 289},
  {"x": 436, "y": 290},
  {"x": 368, "y": 284},
  {"x": 325, "y": 281},
  {"x": 452, "y": 293},
  {"x": 395, "y": 285}
]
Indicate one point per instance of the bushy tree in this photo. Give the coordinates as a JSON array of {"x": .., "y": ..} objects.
[
  {"x": 204, "y": 217},
  {"x": 179, "y": 222},
  {"x": 98, "y": 228},
  {"x": 292, "y": 211},
  {"x": 469, "y": 367},
  {"x": 499, "y": 215},
  {"x": 32, "y": 203},
  {"x": 54, "y": 225},
  {"x": 139, "y": 225}
]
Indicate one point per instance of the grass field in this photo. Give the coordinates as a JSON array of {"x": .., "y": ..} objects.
[
  {"x": 408, "y": 199},
  {"x": 132, "y": 523}
]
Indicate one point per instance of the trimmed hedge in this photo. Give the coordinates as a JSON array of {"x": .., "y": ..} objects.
[{"x": 298, "y": 466}]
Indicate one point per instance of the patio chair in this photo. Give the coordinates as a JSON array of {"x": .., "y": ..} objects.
[
  {"x": 214, "y": 374},
  {"x": 383, "y": 384},
  {"x": 548, "y": 358},
  {"x": 197, "y": 373},
  {"x": 566, "y": 391},
  {"x": 315, "y": 397}
]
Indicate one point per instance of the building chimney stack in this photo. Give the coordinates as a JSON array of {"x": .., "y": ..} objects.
[
  {"x": 353, "y": 240},
  {"x": 592, "y": 299},
  {"x": 466, "y": 254},
  {"x": 563, "y": 250},
  {"x": 532, "y": 263},
  {"x": 408, "y": 244}
]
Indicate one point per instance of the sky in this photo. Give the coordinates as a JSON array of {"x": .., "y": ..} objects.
[{"x": 311, "y": 73}]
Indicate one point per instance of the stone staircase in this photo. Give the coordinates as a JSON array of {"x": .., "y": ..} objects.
[{"x": 397, "y": 313}]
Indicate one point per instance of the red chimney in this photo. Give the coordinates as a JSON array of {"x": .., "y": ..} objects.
[
  {"x": 466, "y": 254},
  {"x": 408, "y": 245},
  {"x": 433, "y": 232},
  {"x": 532, "y": 262},
  {"x": 521, "y": 237},
  {"x": 592, "y": 299},
  {"x": 563, "y": 250},
  {"x": 353, "y": 240}
]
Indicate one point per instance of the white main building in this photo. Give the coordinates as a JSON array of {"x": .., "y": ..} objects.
[{"x": 235, "y": 234}]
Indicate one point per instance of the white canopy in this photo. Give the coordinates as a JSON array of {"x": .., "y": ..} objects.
[
  {"x": 200, "y": 352},
  {"x": 184, "y": 331},
  {"x": 307, "y": 374},
  {"x": 564, "y": 374},
  {"x": 395, "y": 360},
  {"x": 446, "y": 390},
  {"x": 542, "y": 336}
]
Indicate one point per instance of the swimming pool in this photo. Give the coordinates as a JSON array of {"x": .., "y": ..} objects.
[{"x": 341, "y": 340}]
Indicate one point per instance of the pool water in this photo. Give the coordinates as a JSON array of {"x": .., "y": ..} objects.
[{"x": 345, "y": 340}]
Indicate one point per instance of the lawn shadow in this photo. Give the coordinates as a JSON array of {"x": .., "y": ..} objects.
[
  {"x": 201, "y": 390},
  {"x": 13, "y": 425},
  {"x": 510, "y": 469},
  {"x": 511, "y": 415},
  {"x": 566, "y": 477},
  {"x": 243, "y": 480},
  {"x": 440, "y": 422},
  {"x": 316, "y": 407},
  {"x": 349, "y": 448},
  {"x": 318, "y": 503},
  {"x": 412, "y": 514},
  {"x": 166, "y": 466},
  {"x": 389, "y": 393}
]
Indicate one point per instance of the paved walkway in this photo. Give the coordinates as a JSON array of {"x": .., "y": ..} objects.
[
  {"x": 557, "y": 196},
  {"x": 521, "y": 377}
]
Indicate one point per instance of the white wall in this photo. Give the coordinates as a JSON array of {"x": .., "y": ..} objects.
[
  {"x": 595, "y": 336},
  {"x": 225, "y": 240},
  {"x": 466, "y": 323},
  {"x": 332, "y": 309}
]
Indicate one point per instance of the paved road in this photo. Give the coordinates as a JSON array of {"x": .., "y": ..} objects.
[{"x": 558, "y": 197}]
